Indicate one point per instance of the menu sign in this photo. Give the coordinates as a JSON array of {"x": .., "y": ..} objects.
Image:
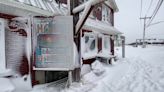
[{"x": 54, "y": 43}]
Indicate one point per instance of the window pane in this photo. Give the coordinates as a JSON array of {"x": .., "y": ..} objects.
[{"x": 92, "y": 46}]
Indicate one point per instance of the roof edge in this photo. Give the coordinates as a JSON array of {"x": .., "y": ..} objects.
[{"x": 112, "y": 4}]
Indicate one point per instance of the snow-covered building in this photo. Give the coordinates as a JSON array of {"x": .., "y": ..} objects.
[
  {"x": 16, "y": 18},
  {"x": 98, "y": 33},
  {"x": 27, "y": 50}
]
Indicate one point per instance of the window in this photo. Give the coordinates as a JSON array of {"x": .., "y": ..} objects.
[
  {"x": 106, "y": 14},
  {"x": 97, "y": 12},
  {"x": 93, "y": 45},
  {"x": 106, "y": 44},
  {"x": 89, "y": 47},
  {"x": 90, "y": 43}
]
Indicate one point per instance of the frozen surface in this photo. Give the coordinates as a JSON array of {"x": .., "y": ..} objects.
[
  {"x": 86, "y": 51},
  {"x": 77, "y": 64},
  {"x": 146, "y": 73},
  {"x": 86, "y": 68},
  {"x": 6, "y": 85},
  {"x": 22, "y": 84},
  {"x": 153, "y": 55},
  {"x": 97, "y": 68},
  {"x": 5, "y": 72}
]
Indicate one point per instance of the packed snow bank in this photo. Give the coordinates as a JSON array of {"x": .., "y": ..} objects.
[
  {"x": 140, "y": 77},
  {"x": 21, "y": 84},
  {"x": 86, "y": 68},
  {"x": 99, "y": 77},
  {"x": 6, "y": 85},
  {"x": 97, "y": 68},
  {"x": 5, "y": 72},
  {"x": 153, "y": 55},
  {"x": 15, "y": 83},
  {"x": 146, "y": 73},
  {"x": 56, "y": 86},
  {"x": 91, "y": 82}
]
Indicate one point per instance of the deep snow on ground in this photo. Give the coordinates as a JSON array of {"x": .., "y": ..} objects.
[
  {"x": 141, "y": 71},
  {"x": 146, "y": 73},
  {"x": 152, "y": 54}
]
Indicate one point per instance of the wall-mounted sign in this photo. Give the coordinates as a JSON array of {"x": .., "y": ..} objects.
[{"x": 53, "y": 40}]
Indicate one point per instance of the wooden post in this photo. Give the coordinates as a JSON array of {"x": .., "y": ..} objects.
[
  {"x": 112, "y": 44},
  {"x": 136, "y": 43},
  {"x": 112, "y": 36},
  {"x": 123, "y": 46},
  {"x": 73, "y": 4},
  {"x": 69, "y": 78}
]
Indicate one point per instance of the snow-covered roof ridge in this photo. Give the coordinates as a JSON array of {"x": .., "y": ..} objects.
[
  {"x": 112, "y": 4},
  {"x": 100, "y": 26}
]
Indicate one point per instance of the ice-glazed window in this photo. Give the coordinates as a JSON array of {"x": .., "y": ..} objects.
[
  {"x": 97, "y": 12},
  {"x": 106, "y": 44},
  {"x": 89, "y": 45},
  {"x": 106, "y": 14},
  {"x": 16, "y": 40},
  {"x": 86, "y": 39},
  {"x": 92, "y": 46}
]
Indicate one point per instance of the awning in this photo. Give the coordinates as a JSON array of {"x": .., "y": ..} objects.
[
  {"x": 101, "y": 27},
  {"x": 34, "y": 8}
]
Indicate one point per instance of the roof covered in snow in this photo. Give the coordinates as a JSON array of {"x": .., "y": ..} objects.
[
  {"x": 101, "y": 27},
  {"x": 32, "y": 7},
  {"x": 39, "y": 7},
  {"x": 112, "y": 4},
  {"x": 51, "y": 8}
]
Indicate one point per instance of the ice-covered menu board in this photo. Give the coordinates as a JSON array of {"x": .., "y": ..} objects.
[
  {"x": 2, "y": 45},
  {"x": 53, "y": 40}
]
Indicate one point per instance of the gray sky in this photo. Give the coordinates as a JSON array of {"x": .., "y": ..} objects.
[{"x": 127, "y": 19}]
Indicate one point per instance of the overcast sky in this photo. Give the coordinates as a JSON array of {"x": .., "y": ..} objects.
[{"x": 127, "y": 19}]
